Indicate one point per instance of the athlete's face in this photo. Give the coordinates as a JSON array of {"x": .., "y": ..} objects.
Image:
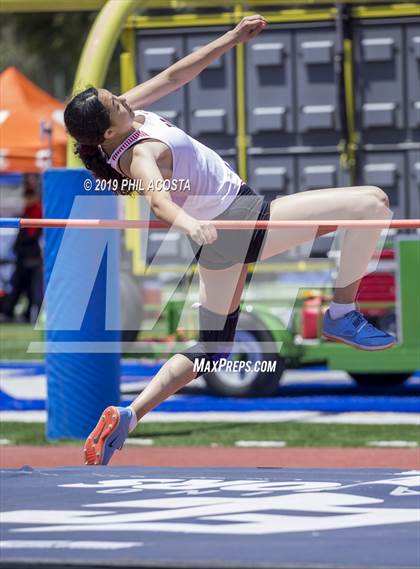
[{"x": 120, "y": 113}]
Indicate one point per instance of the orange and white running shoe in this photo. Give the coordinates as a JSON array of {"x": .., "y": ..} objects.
[{"x": 108, "y": 436}]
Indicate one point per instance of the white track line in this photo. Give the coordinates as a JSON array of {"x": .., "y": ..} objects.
[
  {"x": 393, "y": 444},
  {"x": 359, "y": 418},
  {"x": 262, "y": 444}
]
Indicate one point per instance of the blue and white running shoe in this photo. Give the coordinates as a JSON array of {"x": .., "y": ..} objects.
[
  {"x": 108, "y": 436},
  {"x": 353, "y": 329}
]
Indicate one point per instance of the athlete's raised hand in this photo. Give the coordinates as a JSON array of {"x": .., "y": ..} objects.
[
  {"x": 248, "y": 28},
  {"x": 202, "y": 232}
]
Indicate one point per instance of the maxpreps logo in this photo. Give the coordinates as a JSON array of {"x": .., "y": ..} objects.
[
  {"x": 229, "y": 507},
  {"x": 202, "y": 365}
]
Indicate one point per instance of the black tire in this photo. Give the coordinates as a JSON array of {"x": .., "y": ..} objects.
[
  {"x": 378, "y": 380},
  {"x": 132, "y": 311},
  {"x": 249, "y": 334}
]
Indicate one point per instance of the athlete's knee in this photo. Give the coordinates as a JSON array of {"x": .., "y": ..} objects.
[
  {"x": 216, "y": 336},
  {"x": 377, "y": 196},
  {"x": 197, "y": 354},
  {"x": 373, "y": 202},
  {"x": 200, "y": 353}
]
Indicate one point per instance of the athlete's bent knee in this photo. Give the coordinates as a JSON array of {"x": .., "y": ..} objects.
[
  {"x": 378, "y": 194},
  {"x": 216, "y": 337}
]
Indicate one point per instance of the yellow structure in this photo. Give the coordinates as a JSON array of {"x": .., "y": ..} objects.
[
  {"x": 50, "y": 5},
  {"x": 99, "y": 48}
]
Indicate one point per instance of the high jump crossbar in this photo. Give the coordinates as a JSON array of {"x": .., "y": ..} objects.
[{"x": 332, "y": 224}]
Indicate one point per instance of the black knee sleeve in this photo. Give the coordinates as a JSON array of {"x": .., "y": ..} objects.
[{"x": 216, "y": 337}]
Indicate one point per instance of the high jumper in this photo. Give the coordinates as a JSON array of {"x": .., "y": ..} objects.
[{"x": 117, "y": 140}]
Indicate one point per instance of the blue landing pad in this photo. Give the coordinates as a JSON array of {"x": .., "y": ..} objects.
[{"x": 210, "y": 518}]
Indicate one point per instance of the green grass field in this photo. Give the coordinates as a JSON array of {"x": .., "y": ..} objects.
[
  {"x": 226, "y": 434},
  {"x": 15, "y": 339}
]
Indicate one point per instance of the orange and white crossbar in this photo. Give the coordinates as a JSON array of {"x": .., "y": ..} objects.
[{"x": 332, "y": 224}]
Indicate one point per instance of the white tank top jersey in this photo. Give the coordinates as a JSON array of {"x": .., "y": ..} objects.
[{"x": 212, "y": 185}]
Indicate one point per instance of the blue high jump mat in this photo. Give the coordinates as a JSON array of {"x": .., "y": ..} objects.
[{"x": 210, "y": 518}]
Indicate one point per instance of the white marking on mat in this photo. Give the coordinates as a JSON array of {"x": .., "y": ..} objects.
[
  {"x": 402, "y": 491},
  {"x": 290, "y": 506},
  {"x": 66, "y": 544}
]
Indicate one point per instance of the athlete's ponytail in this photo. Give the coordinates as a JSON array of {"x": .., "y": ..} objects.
[
  {"x": 95, "y": 160},
  {"x": 86, "y": 119}
]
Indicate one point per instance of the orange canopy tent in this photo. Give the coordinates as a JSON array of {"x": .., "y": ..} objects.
[{"x": 32, "y": 132}]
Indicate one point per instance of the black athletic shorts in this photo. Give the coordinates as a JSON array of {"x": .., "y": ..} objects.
[{"x": 238, "y": 245}]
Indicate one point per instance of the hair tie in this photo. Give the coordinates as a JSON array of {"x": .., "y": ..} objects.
[{"x": 88, "y": 149}]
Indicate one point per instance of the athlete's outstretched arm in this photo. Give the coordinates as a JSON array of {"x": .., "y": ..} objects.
[
  {"x": 144, "y": 167},
  {"x": 190, "y": 66}
]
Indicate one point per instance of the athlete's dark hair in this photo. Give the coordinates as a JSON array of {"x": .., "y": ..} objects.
[{"x": 86, "y": 119}]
